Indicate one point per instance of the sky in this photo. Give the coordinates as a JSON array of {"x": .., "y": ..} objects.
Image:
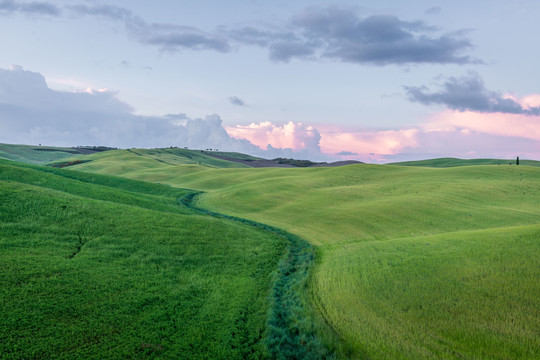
[{"x": 374, "y": 81}]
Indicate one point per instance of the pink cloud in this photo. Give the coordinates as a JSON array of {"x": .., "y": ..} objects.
[
  {"x": 295, "y": 136},
  {"x": 367, "y": 144},
  {"x": 530, "y": 101},
  {"x": 330, "y": 140},
  {"x": 517, "y": 125},
  {"x": 452, "y": 133}
]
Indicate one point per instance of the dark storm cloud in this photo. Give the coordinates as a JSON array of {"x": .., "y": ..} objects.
[
  {"x": 468, "y": 93},
  {"x": 31, "y": 8},
  {"x": 235, "y": 100},
  {"x": 340, "y": 33}
]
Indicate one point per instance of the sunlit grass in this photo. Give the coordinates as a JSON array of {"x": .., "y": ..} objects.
[
  {"x": 413, "y": 263},
  {"x": 100, "y": 267}
]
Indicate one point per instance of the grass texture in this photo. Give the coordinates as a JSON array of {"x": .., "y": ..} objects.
[
  {"x": 412, "y": 262},
  {"x": 452, "y": 162},
  {"x": 98, "y": 267},
  {"x": 35, "y": 154}
]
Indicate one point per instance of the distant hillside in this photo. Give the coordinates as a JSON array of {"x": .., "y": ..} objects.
[
  {"x": 137, "y": 161},
  {"x": 43, "y": 154},
  {"x": 69, "y": 156},
  {"x": 231, "y": 155},
  {"x": 255, "y": 162},
  {"x": 61, "y": 157},
  {"x": 453, "y": 162}
]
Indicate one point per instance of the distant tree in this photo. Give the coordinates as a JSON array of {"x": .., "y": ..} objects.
[{"x": 517, "y": 161}]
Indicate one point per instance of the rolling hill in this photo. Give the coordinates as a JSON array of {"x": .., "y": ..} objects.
[
  {"x": 412, "y": 262},
  {"x": 44, "y": 154},
  {"x": 453, "y": 162},
  {"x": 98, "y": 267}
]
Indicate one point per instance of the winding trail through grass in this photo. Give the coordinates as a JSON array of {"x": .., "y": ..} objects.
[{"x": 290, "y": 332}]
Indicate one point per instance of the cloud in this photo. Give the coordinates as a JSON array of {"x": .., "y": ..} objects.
[
  {"x": 32, "y": 113},
  {"x": 107, "y": 11},
  {"x": 30, "y": 8},
  {"x": 468, "y": 93},
  {"x": 316, "y": 33},
  {"x": 447, "y": 134},
  {"x": 435, "y": 10},
  {"x": 339, "y": 33},
  {"x": 369, "y": 144},
  {"x": 498, "y": 124},
  {"x": 466, "y": 143},
  {"x": 294, "y": 136},
  {"x": 168, "y": 37},
  {"x": 236, "y": 101}
]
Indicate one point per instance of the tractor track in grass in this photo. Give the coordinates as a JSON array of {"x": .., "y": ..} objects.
[{"x": 290, "y": 334}]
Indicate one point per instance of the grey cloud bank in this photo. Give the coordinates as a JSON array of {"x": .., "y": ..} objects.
[
  {"x": 168, "y": 37},
  {"x": 340, "y": 33},
  {"x": 317, "y": 33},
  {"x": 31, "y": 113},
  {"x": 30, "y": 8},
  {"x": 468, "y": 93}
]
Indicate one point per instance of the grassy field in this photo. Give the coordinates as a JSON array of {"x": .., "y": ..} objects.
[
  {"x": 128, "y": 160},
  {"x": 98, "y": 267},
  {"x": 36, "y": 154},
  {"x": 452, "y": 162},
  {"x": 412, "y": 262}
]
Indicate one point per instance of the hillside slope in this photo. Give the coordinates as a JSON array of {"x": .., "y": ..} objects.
[
  {"x": 453, "y": 162},
  {"x": 100, "y": 267},
  {"x": 413, "y": 262},
  {"x": 43, "y": 154},
  {"x": 131, "y": 160}
]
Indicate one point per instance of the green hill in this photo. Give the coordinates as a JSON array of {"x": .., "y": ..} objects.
[
  {"x": 63, "y": 157},
  {"x": 412, "y": 262},
  {"x": 453, "y": 162},
  {"x": 44, "y": 154},
  {"x": 98, "y": 267},
  {"x": 134, "y": 160}
]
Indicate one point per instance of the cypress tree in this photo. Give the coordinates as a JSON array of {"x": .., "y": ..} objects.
[{"x": 517, "y": 161}]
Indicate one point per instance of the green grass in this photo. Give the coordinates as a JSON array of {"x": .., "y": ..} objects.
[
  {"x": 100, "y": 267},
  {"x": 449, "y": 296},
  {"x": 291, "y": 332},
  {"x": 412, "y": 262},
  {"x": 452, "y": 162},
  {"x": 233, "y": 155},
  {"x": 130, "y": 160},
  {"x": 35, "y": 154}
]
